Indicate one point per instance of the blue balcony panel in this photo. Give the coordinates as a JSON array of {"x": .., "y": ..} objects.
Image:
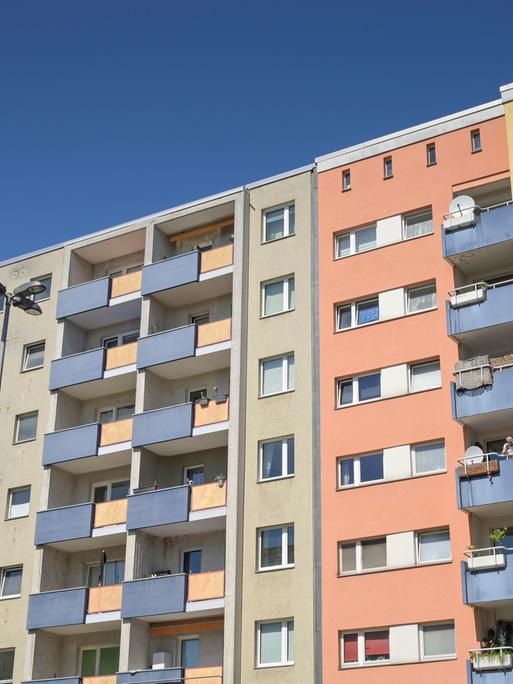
[
  {"x": 159, "y": 507},
  {"x": 154, "y": 596},
  {"x": 488, "y": 586},
  {"x": 170, "y": 273},
  {"x": 55, "y": 680},
  {"x": 81, "y": 298},
  {"x": 162, "y": 425},
  {"x": 71, "y": 444},
  {"x": 491, "y": 228},
  {"x": 167, "y": 346},
  {"x": 486, "y": 407},
  {"x": 489, "y": 677},
  {"x": 78, "y": 368},
  {"x": 57, "y": 608},
  {"x": 486, "y": 490},
  {"x": 64, "y": 524},
  {"x": 165, "y": 676},
  {"x": 496, "y": 309}
]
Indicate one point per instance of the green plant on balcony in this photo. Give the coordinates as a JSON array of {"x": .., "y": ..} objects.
[{"x": 497, "y": 534}]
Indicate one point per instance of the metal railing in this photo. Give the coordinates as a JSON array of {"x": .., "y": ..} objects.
[
  {"x": 487, "y": 551},
  {"x": 467, "y": 210},
  {"x": 467, "y": 461},
  {"x": 482, "y": 284},
  {"x": 494, "y": 657}
]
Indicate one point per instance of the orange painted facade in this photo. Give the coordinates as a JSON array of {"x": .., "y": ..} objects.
[{"x": 417, "y": 594}]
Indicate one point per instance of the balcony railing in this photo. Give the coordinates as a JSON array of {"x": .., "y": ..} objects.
[
  {"x": 90, "y": 365},
  {"x": 209, "y": 495},
  {"x": 96, "y": 294},
  {"x": 205, "y": 586},
  {"x": 488, "y": 399},
  {"x": 487, "y": 575},
  {"x": 117, "y": 432},
  {"x": 214, "y": 412},
  {"x": 125, "y": 284},
  {"x": 67, "y": 607},
  {"x": 480, "y": 306},
  {"x": 219, "y": 257},
  {"x": 104, "y": 599},
  {"x": 485, "y": 484},
  {"x": 118, "y": 357},
  {"x": 214, "y": 332},
  {"x": 478, "y": 229},
  {"x": 499, "y": 658},
  {"x": 109, "y": 513}
]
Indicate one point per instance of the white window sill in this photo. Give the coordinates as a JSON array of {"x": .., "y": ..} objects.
[
  {"x": 28, "y": 370},
  {"x": 276, "y": 567},
  {"x": 25, "y": 441},
  {"x": 342, "y": 488},
  {"x": 420, "y": 564},
  {"x": 283, "y": 237},
  {"x": 373, "y": 249},
  {"x": 278, "y": 313},
  {"x": 17, "y": 517},
  {"x": 11, "y": 596},
  {"x": 385, "y": 663},
  {"x": 407, "y": 314},
  {"x": 275, "y": 479},
  {"x": 396, "y": 396},
  {"x": 268, "y": 665},
  {"x": 276, "y": 394}
]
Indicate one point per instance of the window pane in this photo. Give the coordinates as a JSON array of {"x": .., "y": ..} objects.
[
  {"x": 106, "y": 416},
  {"x": 290, "y": 456},
  {"x": 114, "y": 572},
  {"x": 343, "y": 245},
  {"x": 421, "y": 298},
  {"x": 270, "y": 643},
  {"x": 192, "y": 562},
  {"x": 290, "y": 544},
  {"x": 346, "y": 472},
  {"x": 133, "y": 337},
  {"x": 110, "y": 342},
  {"x": 47, "y": 282},
  {"x": 290, "y": 641},
  {"x": 125, "y": 412},
  {"x": 271, "y": 548},
  {"x": 101, "y": 493},
  {"x": 367, "y": 312},
  {"x": 272, "y": 371},
  {"x": 190, "y": 653},
  {"x": 350, "y": 648},
  {"x": 89, "y": 663},
  {"x": 434, "y": 546},
  {"x": 272, "y": 459},
  {"x": 274, "y": 224},
  {"x": 12, "y": 582},
  {"x": 290, "y": 373},
  {"x": 429, "y": 457},
  {"x": 369, "y": 387},
  {"x": 348, "y": 557},
  {"x": 273, "y": 298},
  {"x": 292, "y": 293},
  {"x": 119, "y": 490},
  {"x": 20, "y": 502},
  {"x": 476, "y": 141},
  {"x": 292, "y": 219},
  {"x": 374, "y": 553},
  {"x": 343, "y": 317},
  {"x": 377, "y": 646},
  {"x": 418, "y": 224},
  {"x": 365, "y": 238},
  {"x": 195, "y": 476},
  {"x": 27, "y": 427},
  {"x": 6, "y": 664},
  {"x": 371, "y": 467},
  {"x": 109, "y": 660},
  {"x": 34, "y": 356},
  {"x": 345, "y": 392},
  {"x": 438, "y": 640},
  {"x": 93, "y": 576},
  {"x": 426, "y": 376}
]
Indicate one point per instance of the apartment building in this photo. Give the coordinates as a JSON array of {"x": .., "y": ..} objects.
[{"x": 259, "y": 437}]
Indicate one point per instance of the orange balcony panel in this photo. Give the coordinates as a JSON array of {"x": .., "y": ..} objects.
[
  {"x": 104, "y": 599},
  {"x": 125, "y": 284},
  {"x": 212, "y": 413},
  {"x": 116, "y": 432},
  {"x": 110, "y": 513},
  {"x": 125, "y": 355},
  {"x": 212, "y": 333},
  {"x": 204, "y": 675},
  {"x": 101, "y": 679},
  {"x": 209, "y": 495},
  {"x": 206, "y": 585},
  {"x": 216, "y": 258}
]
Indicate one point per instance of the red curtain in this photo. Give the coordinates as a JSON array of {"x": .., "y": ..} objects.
[
  {"x": 377, "y": 643},
  {"x": 350, "y": 648}
]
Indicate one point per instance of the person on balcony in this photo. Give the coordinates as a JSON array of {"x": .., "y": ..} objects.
[{"x": 507, "y": 449}]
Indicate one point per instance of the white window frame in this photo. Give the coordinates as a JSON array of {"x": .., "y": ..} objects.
[
  {"x": 88, "y": 567},
  {"x": 284, "y": 642},
  {"x": 352, "y": 241},
  {"x": 181, "y": 639},
  {"x": 96, "y": 648},
  {"x": 429, "y": 147},
  {"x": 125, "y": 270},
  {"x": 284, "y": 547},
  {"x": 26, "y": 348},
  {"x": 284, "y": 374},
  {"x": 445, "y": 656},
  {"x": 193, "y": 318},
  {"x": 412, "y": 366},
  {"x": 387, "y": 162},
  {"x": 414, "y": 459},
  {"x": 119, "y": 337},
  {"x": 414, "y": 214},
  {"x": 361, "y": 662},
  {"x": 191, "y": 467},
  {"x": 284, "y": 458},
  {"x": 286, "y": 295},
  {"x": 408, "y": 290},
  {"x": 108, "y": 484},
  {"x": 357, "y": 469},
  {"x": 17, "y": 427},
  {"x": 114, "y": 410},
  {"x": 354, "y": 313},
  {"x": 47, "y": 294},
  {"x": 473, "y": 133},
  {"x": 8, "y": 650},
  {"x": 355, "y": 379},
  {"x": 360, "y": 570},
  {"x": 346, "y": 180},
  {"x": 286, "y": 221},
  {"x": 10, "y": 493},
  {"x": 425, "y": 533},
  {"x": 3, "y": 571}
]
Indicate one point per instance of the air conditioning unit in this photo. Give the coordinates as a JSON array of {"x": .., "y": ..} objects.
[{"x": 161, "y": 660}]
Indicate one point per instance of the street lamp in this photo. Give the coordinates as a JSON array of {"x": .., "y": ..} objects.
[{"x": 19, "y": 298}]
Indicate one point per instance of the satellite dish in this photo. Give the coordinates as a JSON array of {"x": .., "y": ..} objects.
[
  {"x": 462, "y": 205},
  {"x": 474, "y": 454}
]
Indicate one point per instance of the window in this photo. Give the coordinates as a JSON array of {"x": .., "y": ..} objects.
[
  {"x": 424, "y": 376},
  {"x": 358, "y": 390},
  {"x": 360, "y": 469},
  {"x": 421, "y": 298},
  {"x": 355, "y": 241},
  {"x": 276, "y": 547},
  {"x": 475, "y": 139},
  {"x": 346, "y": 180},
  {"x": 360, "y": 648},
  {"x": 125, "y": 270},
  {"x": 277, "y": 375},
  {"x": 200, "y": 319},
  {"x": 18, "y": 502},
  {"x": 276, "y": 458},
  {"x": 113, "y": 573},
  {"x": 111, "y": 491},
  {"x": 278, "y": 296},
  {"x": 417, "y": 224},
  {"x": 99, "y": 661},
  {"x": 431, "y": 154},
  {"x": 387, "y": 167},
  {"x": 47, "y": 282},
  {"x": 119, "y": 340},
  {"x": 433, "y": 546},
  {"x": 279, "y": 223},
  {"x": 10, "y": 582},
  {"x": 110, "y": 415},
  {"x": 189, "y": 651},
  {"x": 33, "y": 356},
  {"x": 357, "y": 313},
  {"x": 25, "y": 427},
  {"x": 194, "y": 475},
  {"x": 438, "y": 641},
  {"x": 192, "y": 562},
  {"x": 361, "y": 556},
  {"x": 6, "y": 665},
  {"x": 275, "y": 643},
  {"x": 196, "y": 395},
  {"x": 428, "y": 458}
]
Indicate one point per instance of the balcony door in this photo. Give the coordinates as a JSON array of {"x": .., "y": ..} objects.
[
  {"x": 192, "y": 562},
  {"x": 100, "y": 661}
]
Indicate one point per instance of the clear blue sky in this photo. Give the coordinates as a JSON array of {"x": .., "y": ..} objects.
[{"x": 114, "y": 109}]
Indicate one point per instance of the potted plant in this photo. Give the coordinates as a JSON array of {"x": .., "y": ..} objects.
[
  {"x": 220, "y": 479},
  {"x": 490, "y": 559},
  {"x": 494, "y": 657},
  {"x": 497, "y": 535}
]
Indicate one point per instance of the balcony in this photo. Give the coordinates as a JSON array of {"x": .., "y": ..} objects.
[
  {"x": 173, "y": 675},
  {"x": 486, "y": 489},
  {"x": 88, "y": 525},
  {"x": 487, "y": 577},
  {"x": 480, "y": 244},
  {"x": 186, "y": 351},
  {"x": 95, "y": 373},
  {"x": 89, "y": 447},
  {"x": 63, "y": 609},
  {"x": 488, "y": 408},
  {"x": 490, "y": 666},
  {"x": 56, "y": 680},
  {"x": 190, "y": 277},
  {"x": 101, "y": 302},
  {"x": 169, "y": 430},
  {"x": 164, "y": 596}
]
